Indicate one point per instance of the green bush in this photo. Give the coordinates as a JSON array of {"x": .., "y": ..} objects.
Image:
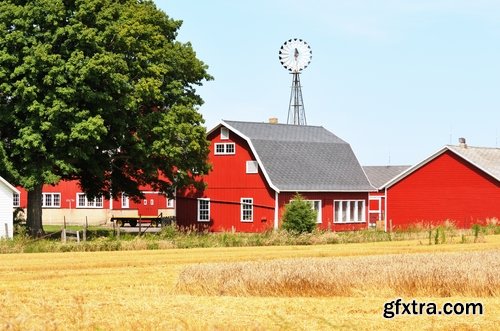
[{"x": 299, "y": 217}]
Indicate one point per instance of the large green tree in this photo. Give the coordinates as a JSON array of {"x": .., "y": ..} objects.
[{"x": 99, "y": 91}]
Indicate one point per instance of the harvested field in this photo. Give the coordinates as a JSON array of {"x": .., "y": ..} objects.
[
  {"x": 473, "y": 274},
  {"x": 136, "y": 290}
]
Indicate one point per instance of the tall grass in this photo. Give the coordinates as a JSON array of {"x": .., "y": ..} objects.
[
  {"x": 473, "y": 274},
  {"x": 103, "y": 239}
]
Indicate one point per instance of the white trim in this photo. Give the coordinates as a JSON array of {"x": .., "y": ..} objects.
[
  {"x": 276, "y": 210},
  {"x": 170, "y": 203},
  {"x": 242, "y": 204},
  {"x": 330, "y": 191},
  {"x": 225, "y": 152},
  {"x": 127, "y": 200},
  {"x": 224, "y": 133},
  {"x": 87, "y": 202},
  {"x": 9, "y": 185},
  {"x": 386, "y": 211},
  {"x": 198, "y": 210},
  {"x": 252, "y": 148},
  {"x": 14, "y": 194},
  {"x": 252, "y": 167},
  {"x": 52, "y": 194},
  {"x": 319, "y": 216},
  {"x": 348, "y": 216}
]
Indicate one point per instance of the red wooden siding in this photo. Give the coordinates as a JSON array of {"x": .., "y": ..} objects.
[
  {"x": 227, "y": 184},
  {"x": 327, "y": 208},
  {"x": 446, "y": 188}
]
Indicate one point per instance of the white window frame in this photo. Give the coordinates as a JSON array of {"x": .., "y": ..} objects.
[
  {"x": 53, "y": 203},
  {"x": 224, "y": 133},
  {"x": 170, "y": 203},
  {"x": 97, "y": 203},
  {"x": 224, "y": 149},
  {"x": 252, "y": 167},
  {"x": 16, "y": 199},
  {"x": 199, "y": 210},
  {"x": 125, "y": 201},
  {"x": 348, "y": 217},
  {"x": 319, "y": 217},
  {"x": 246, "y": 205}
]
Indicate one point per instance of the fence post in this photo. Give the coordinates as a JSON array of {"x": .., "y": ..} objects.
[
  {"x": 85, "y": 229},
  {"x": 6, "y": 230}
]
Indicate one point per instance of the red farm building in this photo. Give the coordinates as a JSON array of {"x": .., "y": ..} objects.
[
  {"x": 257, "y": 168},
  {"x": 66, "y": 202},
  {"x": 459, "y": 184}
]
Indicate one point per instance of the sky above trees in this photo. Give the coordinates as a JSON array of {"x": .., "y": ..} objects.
[{"x": 396, "y": 79}]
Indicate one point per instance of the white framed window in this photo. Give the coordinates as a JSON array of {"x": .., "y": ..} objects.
[
  {"x": 84, "y": 202},
  {"x": 125, "y": 201},
  {"x": 151, "y": 202},
  {"x": 224, "y": 133},
  {"x": 203, "y": 210},
  {"x": 246, "y": 209},
  {"x": 225, "y": 149},
  {"x": 316, "y": 205},
  {"x": 16, "y": 200},
  {"x": 51, "y": 200},
  {"x": 170, "y": 203},
  {"x": 252, "y": 167},
  {"x": 349, "y": 211}
]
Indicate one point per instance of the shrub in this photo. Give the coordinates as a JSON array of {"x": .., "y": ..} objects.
[{"x": 299, "y": 217}]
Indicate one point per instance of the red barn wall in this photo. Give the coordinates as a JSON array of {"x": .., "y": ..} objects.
[
  {"x": 446, "y": 188},
  {"x": 226, "y": 184},
  {"x": 327, "y": 208}
]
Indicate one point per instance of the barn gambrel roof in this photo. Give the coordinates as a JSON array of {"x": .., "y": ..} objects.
[
  {"x": 302, "y": 158},
  {"x": 486, "y": 159}
]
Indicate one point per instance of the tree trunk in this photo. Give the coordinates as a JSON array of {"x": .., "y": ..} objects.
[{"x": 34, "y": 217}]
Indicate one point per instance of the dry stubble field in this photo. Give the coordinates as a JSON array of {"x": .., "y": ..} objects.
[{"x": 140, "y": 290}]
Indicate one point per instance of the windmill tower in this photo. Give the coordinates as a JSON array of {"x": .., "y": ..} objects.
[{"x": 295, "y": 55}]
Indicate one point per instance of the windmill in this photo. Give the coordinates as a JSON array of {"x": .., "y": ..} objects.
[{"x": 295, "y": 55}]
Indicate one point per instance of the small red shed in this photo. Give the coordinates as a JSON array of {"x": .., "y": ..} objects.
[{"x": 460, "y": 184}]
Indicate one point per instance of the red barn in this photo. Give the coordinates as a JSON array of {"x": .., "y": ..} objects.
[
  {"x": 258, "y": 168},
  {"x": 67, "y": 202},
  {"x": 458, "y": 183}
]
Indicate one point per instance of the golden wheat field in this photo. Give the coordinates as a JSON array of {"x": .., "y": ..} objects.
[{"x": 159, "y": 290}]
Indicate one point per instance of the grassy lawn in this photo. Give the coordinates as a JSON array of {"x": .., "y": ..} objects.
[{"x": 136, "y": 290}]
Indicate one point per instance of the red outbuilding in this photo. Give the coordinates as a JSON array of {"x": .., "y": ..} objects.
[
  {"x": 257, "y": 168},
  {"x": 459, "y": 184}
]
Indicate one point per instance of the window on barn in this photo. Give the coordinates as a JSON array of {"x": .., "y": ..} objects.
[
  {"x": 16, "y": 200},
  {"x": 84, "y": 202},
  {"x": 170, "y": 203},
  {"x": 203, "y": 210},
  {"x": 246, "y": 209},
  {"x": 349, "y": 211},
  {"x": 252, "y": 167},
  {"x": 316, "y": 205},
  {"x": 224, "y": 133},
  {"x": 224, "y": 149},
  {"x": 51, "y": 200},
  {"x": 125, "y": 201}
]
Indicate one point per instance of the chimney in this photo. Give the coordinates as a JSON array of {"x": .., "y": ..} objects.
[
  {"x": 273, "y": 120},
  {"x": 462, "y": 142}
]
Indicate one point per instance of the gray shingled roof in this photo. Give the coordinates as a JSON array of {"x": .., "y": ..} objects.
[
  {"x": 303, "y": 158},
  {"x": 379, "y": 175},
  {"x": 486, "y": 159}
]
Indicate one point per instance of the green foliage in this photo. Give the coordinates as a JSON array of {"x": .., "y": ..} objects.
[
  {"x": 99, "y": 91},
  {"x": 299, "y": 217}
]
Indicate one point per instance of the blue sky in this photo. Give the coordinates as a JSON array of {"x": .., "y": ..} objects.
[{"x": 397, "y": 79}]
